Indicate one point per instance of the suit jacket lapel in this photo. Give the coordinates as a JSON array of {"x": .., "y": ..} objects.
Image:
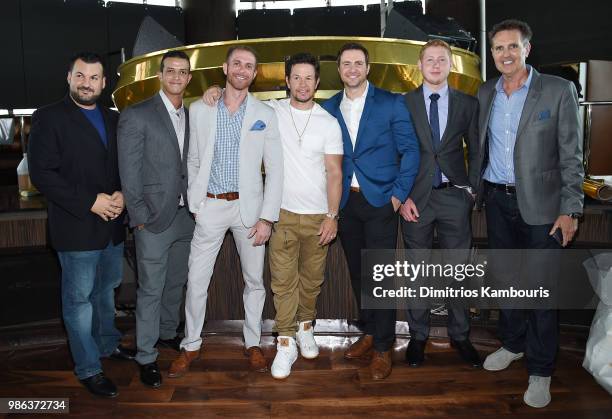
[
  {"x": 533, "y": 95},
  {"x": 162, "y": 111},
  {"x": 452, "y": 104},
  {"x": 485, "y": 118},
  {"x": 367, "y": 107},
  {"x": 419, "y": 110},
  {"x": 88, "y": 128},
  {"x": 186, "y": 136},
  {"x": 337, "y": 113}
]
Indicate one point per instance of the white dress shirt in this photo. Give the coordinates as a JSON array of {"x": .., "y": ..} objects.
[{"x": 351, "y": 112}]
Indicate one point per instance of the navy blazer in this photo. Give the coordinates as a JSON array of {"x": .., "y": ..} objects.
[
  {"x": 386, "y": 155},
  {"x": 70, "y": 165}
]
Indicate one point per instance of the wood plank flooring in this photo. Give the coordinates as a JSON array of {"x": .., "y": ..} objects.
[{"x": 219, "y": 384}]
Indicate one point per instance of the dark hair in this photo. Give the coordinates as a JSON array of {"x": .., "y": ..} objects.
[
  {"x": 87, "y": 57},
  {"x": 353, "y": 45},
  {"x": 173, "y": 54},
  {"x": 511, "y": 25},
  {"x": 233, "y": 48},
  {"x": 302, "y": 58}
]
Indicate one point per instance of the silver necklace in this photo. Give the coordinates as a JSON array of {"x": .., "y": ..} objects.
[{"x": 300, "y": 135}]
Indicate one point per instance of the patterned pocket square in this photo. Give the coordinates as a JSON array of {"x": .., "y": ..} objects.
[
  {"x": 544, "y": 115},
  {"x": 259, "y": 125}
]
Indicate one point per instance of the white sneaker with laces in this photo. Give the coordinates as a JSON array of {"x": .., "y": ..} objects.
[
  {"x": 306, "y": 341},
  {"x": 500, "y": 359},
  {"x": 538, "y": 392},
  {"x": 286, "y": 355}
]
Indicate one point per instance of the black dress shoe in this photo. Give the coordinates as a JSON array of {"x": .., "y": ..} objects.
[
  {"x": 99, "y": 385},
  {"x": 415, "y": 353},
  {"x": 174, "y": 343},
  {"x": 121, "y": 353},
  {"x": 467, "y": 352},
  {"x": 150, "y": 375}
]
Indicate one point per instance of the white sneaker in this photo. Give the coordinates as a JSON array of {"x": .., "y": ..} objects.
[
  {"x": 500, "y": 359},
  {"x": 538, "y": 392},
  {"x": 286, "y": 354},
  {"x": 306, "y": 341}
]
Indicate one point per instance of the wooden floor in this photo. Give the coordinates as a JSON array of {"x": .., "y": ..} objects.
[{"x": 220, "y": 385}]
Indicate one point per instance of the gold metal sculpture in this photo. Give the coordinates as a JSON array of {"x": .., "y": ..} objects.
[
  {"x": 392, "y": 67},
  {"x": 597, "y": 189}
]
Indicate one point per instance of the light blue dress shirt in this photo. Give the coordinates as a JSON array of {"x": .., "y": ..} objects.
[
  {"x": 502, "y": 130},
  {"x": 224, "y": 173},
  {"x": 442, "y": 110}
]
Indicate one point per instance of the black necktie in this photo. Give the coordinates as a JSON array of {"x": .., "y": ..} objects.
[{"x": 434, "y": 123}]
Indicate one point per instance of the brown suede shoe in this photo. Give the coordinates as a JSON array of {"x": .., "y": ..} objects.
[
  {"x": 362, "y": 349},
  {"x": 380, "y": 367},
  {"x": 257, "y": 362},
  {"x": 180, "y": 365}
]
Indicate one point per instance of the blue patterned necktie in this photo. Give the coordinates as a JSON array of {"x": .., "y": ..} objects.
[{"x": 434, "y": 123}]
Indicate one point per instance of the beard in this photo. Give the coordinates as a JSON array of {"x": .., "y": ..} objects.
[
  {"x": 81, "y": 99},
  {"x": 302, "y": 100}
]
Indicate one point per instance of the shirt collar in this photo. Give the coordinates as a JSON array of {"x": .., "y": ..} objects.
[
  {"x": 443, "y": 92},
  {"x": 169, "y": 106},
  {"x": 362, "y": 97},
  {"x": 499, "y": 86},
  {"x": 241, "y": 108}
]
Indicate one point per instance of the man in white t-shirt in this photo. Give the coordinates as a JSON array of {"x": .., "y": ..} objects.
[{"x": 308, "y": 222}]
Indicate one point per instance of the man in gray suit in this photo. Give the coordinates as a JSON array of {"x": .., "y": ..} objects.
[
  {"x": 531, "y": 151},
  {"x": 153, "y": 142},
  {"x": 230, "y": 141},
  {"x": 443, "y": 192}
]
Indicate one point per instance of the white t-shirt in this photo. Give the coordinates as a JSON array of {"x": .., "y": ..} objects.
[{"x": 305, "y": 183}]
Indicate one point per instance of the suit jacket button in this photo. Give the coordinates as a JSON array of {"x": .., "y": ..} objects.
[{"x": 182, "y": 176}]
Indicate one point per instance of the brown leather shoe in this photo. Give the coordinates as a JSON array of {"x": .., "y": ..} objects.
[
  {"x": 362, "y": 349},
  {"x": 180, "y": 365},
  {"x": 257, "y": 362},
  {"x": 380, "y": 367}
]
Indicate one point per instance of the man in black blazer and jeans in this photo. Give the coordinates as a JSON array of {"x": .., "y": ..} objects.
[
  {"x": 443, "y": 194},
  {"x": 73, "y": 162}
]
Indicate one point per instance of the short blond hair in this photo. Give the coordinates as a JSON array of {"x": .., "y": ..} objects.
[{"x": 435, "y": 43}]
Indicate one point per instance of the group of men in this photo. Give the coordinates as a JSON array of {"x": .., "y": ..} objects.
[{"x": 351, "y": 167}]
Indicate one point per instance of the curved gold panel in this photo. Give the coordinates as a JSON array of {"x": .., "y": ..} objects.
[{"x": 392, "y": 67}]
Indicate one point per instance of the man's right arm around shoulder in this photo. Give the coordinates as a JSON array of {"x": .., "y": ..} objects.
[{"x": 131, "y": 145}]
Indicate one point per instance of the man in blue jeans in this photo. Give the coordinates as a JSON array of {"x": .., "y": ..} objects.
[{"x": 73, "y": 162}]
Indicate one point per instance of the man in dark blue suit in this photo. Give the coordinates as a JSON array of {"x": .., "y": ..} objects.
[{"x": 381, "y": 160}]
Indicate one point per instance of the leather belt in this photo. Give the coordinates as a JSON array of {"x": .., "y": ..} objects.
[
  {"x": 355, "y": 189},
  {"x": 508, "y": 189},
  {"x": 443, "y": 185},
  {"x": 228, "y": 196}
]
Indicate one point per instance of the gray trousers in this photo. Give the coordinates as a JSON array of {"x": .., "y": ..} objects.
[
  {"x": 162, "y": 274},
  {"x": 448, "y": 211}
]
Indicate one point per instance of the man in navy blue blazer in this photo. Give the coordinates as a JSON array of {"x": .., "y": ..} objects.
[{"x": 380, "y": 163}]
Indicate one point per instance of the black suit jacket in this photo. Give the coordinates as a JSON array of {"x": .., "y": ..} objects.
[
  {"x": 462, "y": 124},
  {"x": 70, "y": 165}
]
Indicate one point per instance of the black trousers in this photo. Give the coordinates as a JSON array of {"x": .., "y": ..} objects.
[
  {"x": 535, "y": 332},
  {"x": 363, "y": 226},
  {"x": 448, "y": 211}
]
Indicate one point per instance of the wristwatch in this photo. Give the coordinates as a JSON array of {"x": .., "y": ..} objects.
[
  {"x": 575, "y": 215},
  {"x": 268, "y": 222},
  {"x": 332, "y": 215}
]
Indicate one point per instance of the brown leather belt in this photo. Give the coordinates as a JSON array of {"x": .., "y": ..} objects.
[
  {"x": 355, "y": 189},
  {"x": 228, "y": 196}
]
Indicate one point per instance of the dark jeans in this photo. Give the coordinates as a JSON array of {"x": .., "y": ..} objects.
[
  {"x": 534, "y": 332},
  {"x": 363, "y": 226},
  {"x": 89, "y": 279}
]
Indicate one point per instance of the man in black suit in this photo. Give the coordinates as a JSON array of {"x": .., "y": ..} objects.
[
  {"x": 73, "y": 162},
  {"x": 443, "y": 194}
]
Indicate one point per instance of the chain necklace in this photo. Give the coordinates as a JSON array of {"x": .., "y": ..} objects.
[{"x": 300, "y": 135}]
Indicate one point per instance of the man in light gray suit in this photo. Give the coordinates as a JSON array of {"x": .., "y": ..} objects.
[
  {"x": 153, "y": 142},
  {"x": 531, "y": 151},
  {"x": 229, "y": 143}
]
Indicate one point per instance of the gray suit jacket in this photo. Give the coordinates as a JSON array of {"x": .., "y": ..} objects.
[
  {"x": 257, "y": 146},
  {"x": 153, "y": 173},
  {"x": 548, "y": 150},
  {"x": 462, "y": 124}
]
